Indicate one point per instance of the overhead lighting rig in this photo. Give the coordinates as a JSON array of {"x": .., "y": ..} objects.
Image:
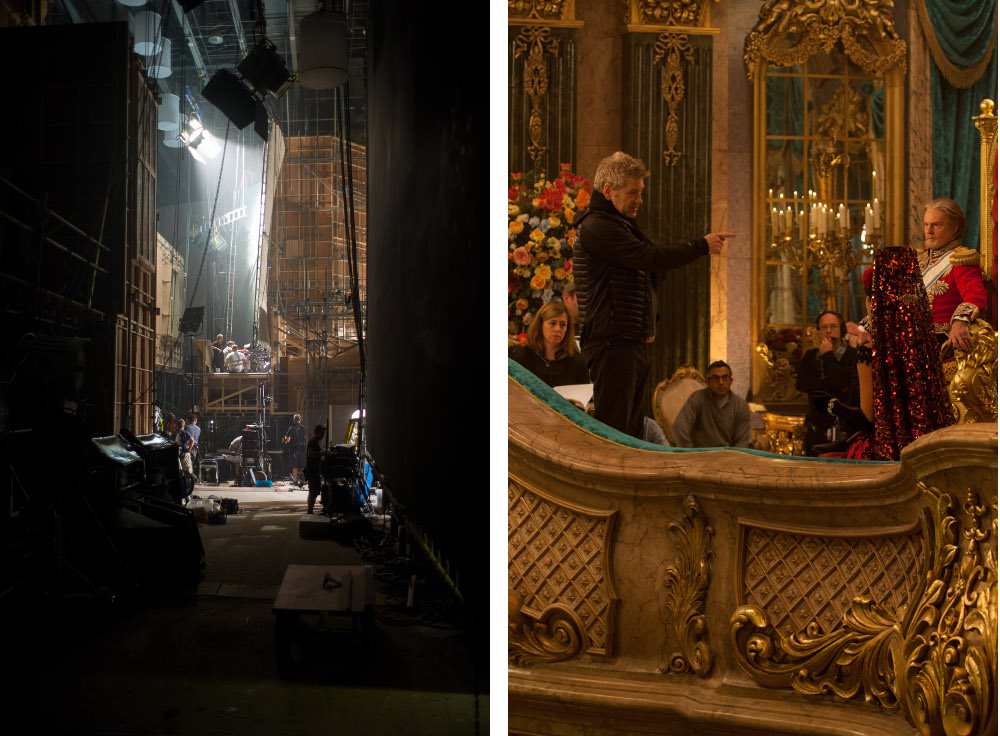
[{"x": 240, "y": 97}]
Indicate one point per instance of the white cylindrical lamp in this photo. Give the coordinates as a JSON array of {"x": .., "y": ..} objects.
[
  {"x": 322, "y": 47},
  {"x": 159, "y": 63},
  {"x": 168, "y": 113},
  {"x": 147, "y": 33}
]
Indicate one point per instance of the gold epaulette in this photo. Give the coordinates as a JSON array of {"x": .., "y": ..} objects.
[{"x": 964, "y": 257}]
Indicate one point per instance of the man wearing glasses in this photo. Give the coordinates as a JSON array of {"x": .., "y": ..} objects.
[{"x": 714, "y": 416}]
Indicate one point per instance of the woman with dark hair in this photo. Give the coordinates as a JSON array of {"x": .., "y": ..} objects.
[
  {"x": 901, "y": 382},
  {"x": 551, "y": 352}
]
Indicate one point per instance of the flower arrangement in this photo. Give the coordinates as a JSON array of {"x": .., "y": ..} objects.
[{"x": 540, "y": 239}]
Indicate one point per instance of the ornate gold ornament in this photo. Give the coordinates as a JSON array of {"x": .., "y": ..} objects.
[
  {"x": 559, "y": 560},
  {"x": 687, "y": 583},
  {"x": 986, "y": 124},
  {"x": 779, "y": 383},
  {"x": 973, "y": 385},
  {"x": 935, "y": 658},
  {"x": 688, "y": 13},
  {"x": 863, "y": 27},
  {"x": 670, "y": 48},
  {"x": 539, "y": 9},
  {"x": 559, "y": 635},
  {"x": 785, "y": 435},
  {"x": 536, "y": 41}
]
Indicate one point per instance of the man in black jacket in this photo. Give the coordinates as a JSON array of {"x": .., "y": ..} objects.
[
  {"x": 612, "y": 265},
  {"x": 829, "y": 371}
]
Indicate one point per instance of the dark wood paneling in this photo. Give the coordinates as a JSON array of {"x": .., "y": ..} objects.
[
  {"x": 677, "y": 204},
  {"x": 557, "y": 106}
]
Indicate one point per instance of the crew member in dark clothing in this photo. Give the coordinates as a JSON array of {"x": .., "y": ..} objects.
[
  {"x": 828, "y": 372},
  {"x": 295, "y": 440},
  {"x": 218, "y": 355},
  {"x": 314, "y": 453},
  {"x": 613, "y": 264}
]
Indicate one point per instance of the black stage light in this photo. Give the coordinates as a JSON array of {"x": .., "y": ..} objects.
[
  {"x": 231, "y": 97},
  {"x": 191, "y": 320},
  {"x": 264, "y": 70}
]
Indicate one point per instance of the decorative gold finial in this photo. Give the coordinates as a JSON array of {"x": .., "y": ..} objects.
[{"x": 987, "y": 107}]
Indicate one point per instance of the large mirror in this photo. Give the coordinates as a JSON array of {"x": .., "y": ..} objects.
[{"x": 824, "y": 166}]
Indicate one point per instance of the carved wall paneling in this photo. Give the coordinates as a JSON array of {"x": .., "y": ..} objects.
[
  {"x": 667, "y": 123},
  {"x": 563, "y": 600},
  {"x": 541, "y": 127},
  {"x": 644, "y": 15},
  {"x": 927, "y": 648}
]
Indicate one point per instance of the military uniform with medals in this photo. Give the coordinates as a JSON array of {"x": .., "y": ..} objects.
[{"x": 954, "y": 283}]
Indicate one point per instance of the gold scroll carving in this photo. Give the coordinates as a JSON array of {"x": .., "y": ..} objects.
[
  {"x": 560, "y": 568},
  {"x": 973, "y": 385},
  {"x": 864, "y": 28},
  {"x": 540, "y": 9},
  {"x": 670, "y": 49},
  {"x": 687, "y": 583},
  {"x": 686, "y": 13},
  {"x": 986, "y": 124},
  {"x": 934, "y": 658},
  {"x": 536, "y": 41},
  {"x": 559, "y": 634}
]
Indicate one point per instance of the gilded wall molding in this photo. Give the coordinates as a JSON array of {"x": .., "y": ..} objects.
[
  {"x": 691, "y": 14},
  {"x": 559, "y": 566},
  {"x": 686, "y": 582},
  {"x": 933, "y": 658},
  {"x": 557, "y": 636},
  {"x": 671, "y": 48},
  {"x": 540, "y": 10},
  {"x": 536, "y": 41},
  {"x": 986, "y": 124},
  {"x": 863, "y": 27}
]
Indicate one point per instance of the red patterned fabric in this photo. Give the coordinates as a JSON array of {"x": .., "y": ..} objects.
[{"x": 910, "y": 395}]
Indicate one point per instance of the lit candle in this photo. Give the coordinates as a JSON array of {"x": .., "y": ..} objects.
[
  {"x": 803, "y": 234},
  {"x": 841, "y": 222},
  {"x": 821, "y": 220},
  {"x": 847, "y": 218},
  {"x": 774, "y": 223},
  {"x": 877, "y": 215},
  {"x": 789, "y": 221},
  {"x": 868, "y": 219},
  {"x": 770, "y": 194}
]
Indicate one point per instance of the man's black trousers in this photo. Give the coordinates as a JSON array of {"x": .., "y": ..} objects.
[{"x": 619, "y": 369}]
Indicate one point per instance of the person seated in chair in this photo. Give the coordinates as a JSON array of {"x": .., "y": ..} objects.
[
  {"x": 951, "y": 274},
  {"x": 827, "y": 372},
  {"x": 714, "y": 416},
  {"x": 551, "y": 352}
]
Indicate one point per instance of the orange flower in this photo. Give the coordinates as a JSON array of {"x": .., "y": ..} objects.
[
  {"x": 537, "y": 235},
  {"x": 520, "y": 256},
  {"x": 559, "y": 273},
  {"x": 522, "y": 339},
  {"x": 544, "y": 271},
  {"x": 582, "y": 198},
  {"x": 521, "y": 304},
  {"x": 543, "y": 256},
  {"x": 569, "y": 214},
  {"x": 516, "y": 226},
  {"x": 537, "y": 282}
]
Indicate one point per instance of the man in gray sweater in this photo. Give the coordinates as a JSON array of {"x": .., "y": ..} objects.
[{"x": 714, "y": 416}]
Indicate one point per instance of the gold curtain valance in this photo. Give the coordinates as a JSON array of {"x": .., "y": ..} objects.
[{"x": 820, "y": 24}]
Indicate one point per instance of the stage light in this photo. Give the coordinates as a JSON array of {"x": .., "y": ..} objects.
[
  {"x": 265, "y": 71},
  {"x": 227, "y": 93}
]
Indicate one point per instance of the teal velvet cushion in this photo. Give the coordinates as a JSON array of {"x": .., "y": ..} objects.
[{"x": 537, "y": 388}]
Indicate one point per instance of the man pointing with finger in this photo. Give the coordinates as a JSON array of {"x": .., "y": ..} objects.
[{"x": 614, "y": 265}]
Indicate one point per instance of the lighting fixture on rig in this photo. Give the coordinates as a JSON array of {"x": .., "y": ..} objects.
[
  {"x": 202, "y": 144},
  {"x": 241, "y": 97}
]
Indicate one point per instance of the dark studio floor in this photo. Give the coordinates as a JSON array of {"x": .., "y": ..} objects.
[{"x": 202, "y": 659}]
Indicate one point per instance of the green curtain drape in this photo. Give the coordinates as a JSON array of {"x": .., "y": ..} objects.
[{"x": 962, "y": 39}]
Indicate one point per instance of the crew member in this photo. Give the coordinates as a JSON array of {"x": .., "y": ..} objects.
[
  {"x": 295, "y": 439},
  {"x": 827, "y": 372},
  {"x": 314, "y": 453},
  {"x": 614, "y": 263},
  {"x": 218, "y": 355},
  {"x": 952, "y": 276},
  {"x": 714, "y": 416}
]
